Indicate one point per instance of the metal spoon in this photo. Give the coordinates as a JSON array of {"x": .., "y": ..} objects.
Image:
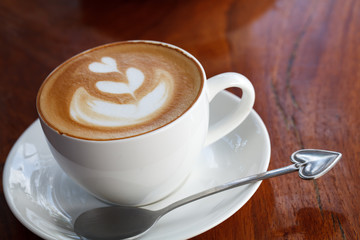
[{"x": 122, "y": 222}]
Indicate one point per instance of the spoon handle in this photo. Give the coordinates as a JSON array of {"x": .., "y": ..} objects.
[{"x": 232, "y": 184}]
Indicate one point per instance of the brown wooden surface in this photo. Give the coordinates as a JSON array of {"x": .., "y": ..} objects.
[{"x": 303, "y": 58}]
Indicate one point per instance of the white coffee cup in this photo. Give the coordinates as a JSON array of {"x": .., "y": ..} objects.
[{"x": 143, "y": 169}]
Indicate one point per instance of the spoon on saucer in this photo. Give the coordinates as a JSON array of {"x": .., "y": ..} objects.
[{"x": 126, "y": 222}]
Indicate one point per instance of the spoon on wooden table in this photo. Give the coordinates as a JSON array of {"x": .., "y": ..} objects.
[{"x": 124, "y": 222}]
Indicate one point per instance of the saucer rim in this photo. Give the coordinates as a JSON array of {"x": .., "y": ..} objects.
[
  {"x": 242, "y": 202},
  {"x": 10, "y": 159}
]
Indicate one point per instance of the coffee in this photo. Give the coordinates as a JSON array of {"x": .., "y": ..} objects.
[{"x": 119, "y": 90}]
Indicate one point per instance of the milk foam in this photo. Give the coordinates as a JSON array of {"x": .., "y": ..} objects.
[
  {"x": 106, "y": 65},
  {"x": 119, "y": 90},
  {"x": 135, "y": 78},
  {"x": 94, "y": 111}
]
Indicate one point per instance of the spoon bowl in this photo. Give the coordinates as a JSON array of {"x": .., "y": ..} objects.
[{"x": 99, "y": 222}]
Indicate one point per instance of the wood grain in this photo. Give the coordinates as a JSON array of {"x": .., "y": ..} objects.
[{"x": 302, "y": 56}]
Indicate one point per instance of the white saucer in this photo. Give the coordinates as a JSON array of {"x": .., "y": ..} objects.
[{"x": 47, "y": 202}]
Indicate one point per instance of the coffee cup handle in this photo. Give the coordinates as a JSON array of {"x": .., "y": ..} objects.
[{"x": 233, "y": 119}]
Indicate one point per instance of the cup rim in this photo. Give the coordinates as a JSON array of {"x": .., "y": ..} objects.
[{"x": 150, "y": 132}]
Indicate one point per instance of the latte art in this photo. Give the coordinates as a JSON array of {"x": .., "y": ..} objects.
[
  {"x": 135, "y": 78},
  {"x": 119, "y": 90},
  {"x": 90, "y": 110}
]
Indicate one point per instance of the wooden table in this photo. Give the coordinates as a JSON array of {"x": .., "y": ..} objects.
[{"x": 302, "y": 56}]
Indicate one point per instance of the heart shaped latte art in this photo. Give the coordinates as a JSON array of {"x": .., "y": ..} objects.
[
  {"x": 90, "y": 110},
  {"x": 135, "y": 78},
  {"x": 106, "y": 65}
]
